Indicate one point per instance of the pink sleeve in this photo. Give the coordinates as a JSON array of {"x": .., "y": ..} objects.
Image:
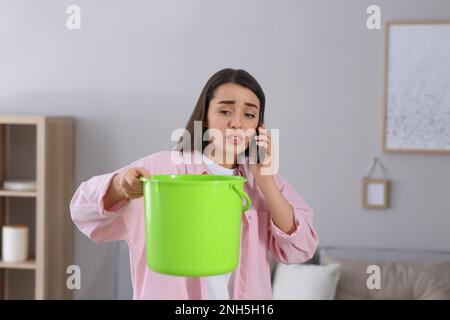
[
  {"x": 89, "y": 215},
  {"x": 300, "y": 245}
]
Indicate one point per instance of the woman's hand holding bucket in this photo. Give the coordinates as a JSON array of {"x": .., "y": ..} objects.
[
  {"x": 129, "y": 183},
  {"x": 126, "y": 184}
]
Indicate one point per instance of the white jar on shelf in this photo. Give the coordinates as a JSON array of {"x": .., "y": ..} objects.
[{"x": 14, "y": 243}]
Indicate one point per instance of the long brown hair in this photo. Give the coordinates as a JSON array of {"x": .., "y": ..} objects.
[{"x": 200, "y": 112}]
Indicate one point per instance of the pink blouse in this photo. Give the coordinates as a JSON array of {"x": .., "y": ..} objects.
[{"x": 260, "y": 237}]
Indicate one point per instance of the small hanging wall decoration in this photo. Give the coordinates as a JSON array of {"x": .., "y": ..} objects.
[{"x": 375, "y": 191}]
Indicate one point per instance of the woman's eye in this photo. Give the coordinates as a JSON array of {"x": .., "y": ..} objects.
[
  {"x": 250, "y": 115},
  {"x": 224, "y": 112}
]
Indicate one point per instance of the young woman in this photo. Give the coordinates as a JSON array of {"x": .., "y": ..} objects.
[{"x": 279, "y": 224}]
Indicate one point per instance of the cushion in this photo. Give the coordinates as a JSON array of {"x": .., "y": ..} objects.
[
  {"x": 398, "y": 280},
  {"x": 305, "y": 282}
]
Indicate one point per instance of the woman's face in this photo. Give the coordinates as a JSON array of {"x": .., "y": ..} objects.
[{"x": 232, "y": 107}]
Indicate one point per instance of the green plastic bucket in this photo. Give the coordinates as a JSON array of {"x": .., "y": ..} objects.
[{"x": 193, "y": 223}]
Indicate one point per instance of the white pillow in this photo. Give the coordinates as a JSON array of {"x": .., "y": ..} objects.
[{"x": 305, "y": 282}]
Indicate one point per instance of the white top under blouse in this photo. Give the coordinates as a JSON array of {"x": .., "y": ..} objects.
[{"x": 219, "y": 287}]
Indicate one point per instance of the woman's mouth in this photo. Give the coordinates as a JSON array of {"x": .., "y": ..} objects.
[{"x": 234, "y": 140}]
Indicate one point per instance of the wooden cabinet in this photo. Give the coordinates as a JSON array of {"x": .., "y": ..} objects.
[{"x": 39, "y": 148}]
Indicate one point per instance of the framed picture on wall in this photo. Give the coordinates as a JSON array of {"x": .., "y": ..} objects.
[
  {"x": 375, "y": 193},
  {"x": 417, "y": 87}
]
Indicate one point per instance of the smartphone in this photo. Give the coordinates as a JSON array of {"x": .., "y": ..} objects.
[{"x": 263, "y": 151}]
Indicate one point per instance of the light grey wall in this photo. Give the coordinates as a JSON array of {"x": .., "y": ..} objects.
[{"x": 133, "y": 73}]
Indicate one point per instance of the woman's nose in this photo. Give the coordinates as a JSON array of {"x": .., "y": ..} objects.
[{"x": 236, "y": 122}]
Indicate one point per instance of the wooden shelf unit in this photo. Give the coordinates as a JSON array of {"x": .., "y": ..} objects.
[{"x": 54, "y": 230}]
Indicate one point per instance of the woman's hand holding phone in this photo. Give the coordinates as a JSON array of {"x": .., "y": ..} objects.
[{"x": 263, "y": 142}]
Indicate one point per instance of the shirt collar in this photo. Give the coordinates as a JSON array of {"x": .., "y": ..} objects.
[
  {"x": 197, "y": 166},
  {"x": 194, "y": 163}
]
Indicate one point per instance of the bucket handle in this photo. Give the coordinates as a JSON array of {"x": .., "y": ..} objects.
[{"x": 241, "y": 193}]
